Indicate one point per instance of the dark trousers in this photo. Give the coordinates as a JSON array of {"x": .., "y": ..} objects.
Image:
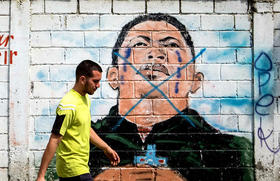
[{"x": 83, "y": 177}]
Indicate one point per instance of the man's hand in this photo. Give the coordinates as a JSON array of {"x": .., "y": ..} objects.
[
  {"x": 112, "y": 155},
  {"x": 109, "y": 152}
]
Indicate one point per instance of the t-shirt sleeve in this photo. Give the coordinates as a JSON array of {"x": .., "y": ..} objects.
[{"x": 64, "y": 118}]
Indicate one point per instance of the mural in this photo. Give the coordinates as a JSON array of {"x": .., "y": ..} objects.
[{"x": 152, "y": 127}]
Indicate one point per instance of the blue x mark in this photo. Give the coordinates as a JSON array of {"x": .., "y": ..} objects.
[{"x": 157, "y": 87}]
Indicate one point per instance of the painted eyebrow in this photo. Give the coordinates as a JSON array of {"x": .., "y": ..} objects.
[
  {"x": 168, "y": 38},
  {"x": 142, "y": 36}
]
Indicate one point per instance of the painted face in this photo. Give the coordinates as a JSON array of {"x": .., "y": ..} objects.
[
  {"x": 154, "y": 51},
  {"x": 92, "y": 83}
]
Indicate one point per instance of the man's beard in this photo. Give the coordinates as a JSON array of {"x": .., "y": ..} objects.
[{"x": 87, "y": 89}]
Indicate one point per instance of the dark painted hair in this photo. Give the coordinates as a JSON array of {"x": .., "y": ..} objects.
[
  {"x": 151, "y": 17},
  {"x": 85, "y": 68}
]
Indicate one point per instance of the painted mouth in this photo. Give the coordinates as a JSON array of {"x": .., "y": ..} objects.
[{"x": 148, "y": 70}]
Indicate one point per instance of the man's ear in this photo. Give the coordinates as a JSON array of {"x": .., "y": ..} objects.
[
  {"x": 198, "y": 78},
  {"x": 83, "y": 80},
  {"x": 112, "y": 77}
]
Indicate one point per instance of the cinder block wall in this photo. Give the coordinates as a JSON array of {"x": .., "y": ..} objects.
[{"x": 239, "y": 94}]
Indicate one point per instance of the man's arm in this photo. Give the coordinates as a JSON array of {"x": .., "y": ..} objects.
[
  {"x": 109, "y": 152},
  {"x": 48, "y": 155}
]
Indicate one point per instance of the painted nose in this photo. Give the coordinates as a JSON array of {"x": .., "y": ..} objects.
[{"x": 156, "y": 55}]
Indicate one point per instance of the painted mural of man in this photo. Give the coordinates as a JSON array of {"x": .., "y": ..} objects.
[{"x": 152, "y": 127}]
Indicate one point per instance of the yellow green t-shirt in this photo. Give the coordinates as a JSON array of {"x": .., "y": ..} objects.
[{"x": 73, "y": 123}]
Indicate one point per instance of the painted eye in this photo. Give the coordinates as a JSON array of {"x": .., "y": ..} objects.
[
  {"x": 172, "y": 45},
  {"x": 140, "y": 44}
]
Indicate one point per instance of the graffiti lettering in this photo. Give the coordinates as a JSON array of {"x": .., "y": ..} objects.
[
  {"x": 263, "y": 65},
  {"x": 4, "y": 41}
]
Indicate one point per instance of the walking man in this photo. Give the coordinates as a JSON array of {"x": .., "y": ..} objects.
[{"x": 72, "y": 132}]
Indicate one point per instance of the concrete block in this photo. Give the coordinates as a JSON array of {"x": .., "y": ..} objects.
[
  {"x": 114, "y": 22},
  {"x": 210, "y": 71},
  {"x": 40, "y": 39},
  {"x": 67, "y": 39},
  {"x": 4, "y": 174},
  {"x": 47, "y": 56},
  {"x": 231, "y": 6},
  {"x": 276, "y": 20},
  {"x": 205, "y": 106},
  {"x": 276, "y": 88},
  {"x": 205, "y": 38},
  {"x": 263, "y": 35},
  {"x": 219, "y": 56},
  {"x": 69, "y": 6},
  {"x": 276, "y": 54},
  {"x": 107, "y": 92},
  {"x": 4, "y": 73},
  {"x": 244, "y": 89},
  {"x": 82, "y": 22},
  {"x": 242, "y": 22},
  {"x": 275, "y": 110},
  {"x": 39, "y": 107},
  {"x": 192, "y": 22},
  {"x": 37, "y": 6},
  {"x": 217, "y": 22},
  {"x": 276, "y": 6},
  {"x": 236, "y": 106},
  {"x": 276, "y": 38},
  {"x": 158, "y": 6},
  {"x": 130, "y": 6},
  {"x": 201, "y": 6},
  {"x": 236, "y": 72},
  {"x": 214, "y": 89},
  {"x": 51, "y": 22},
  {"x": 38, "y": 141},
  {"x": 4, "y": 159},
  {"x": 76, "y": 55},
  {"x": 245, "y": 123},
  {"x": 95, "y": 6},
  {"x": 37, "y": 158},
  {"x": 4, "y": 125},
  {"x": 276, "y": 127},
  {"x": 49, "y": 89},
  {"x": 105, "y": 56},
  {"x": 229, "y": 123},
  {"x": 3, "y": 142},
  {"x": 62, "y": 73},
  {"x": 53, "y": 105},
  {"x": 4, "y": 7},
  {"x": 4, "y": 23},
  {"x": 263, "y": 7},
  {"x": 4, "y": 107},
  {"x": 44, "y": 123},
  {"x": 39, "y": 73},
  {"x": 100, "y": 39},
  {"x": 244, "y": 55},
  {"x": 101, "y": 107},
  {"x": 4, "y": 90},
  {"x": 235, "y": 39}
]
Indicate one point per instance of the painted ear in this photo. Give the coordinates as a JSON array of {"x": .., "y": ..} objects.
[
  {"x": 198, "y": 78},
  {"x": 112, "y": 77}
]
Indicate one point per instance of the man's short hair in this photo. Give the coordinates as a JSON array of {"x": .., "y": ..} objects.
[
  {"x": 151, "y": 17},
  {"x": 85, "y": 68}
]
